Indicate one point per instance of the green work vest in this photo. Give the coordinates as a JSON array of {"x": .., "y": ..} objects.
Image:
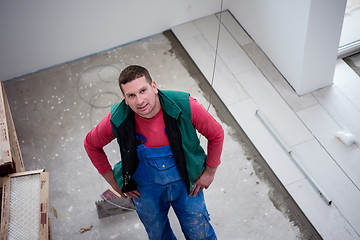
[{"x": 184, "y": 142}]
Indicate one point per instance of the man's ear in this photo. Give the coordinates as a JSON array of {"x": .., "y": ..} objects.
[
  {"x": 125, "y": 99},
  {"x": 153, "y": 84}
]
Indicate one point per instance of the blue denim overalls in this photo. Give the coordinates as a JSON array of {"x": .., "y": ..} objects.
[{"x": 160, "y": 185}]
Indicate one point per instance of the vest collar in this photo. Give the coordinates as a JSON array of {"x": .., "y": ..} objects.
[
  {"x": 168, "y": 105},
  {"x": 120, "y": 111}
]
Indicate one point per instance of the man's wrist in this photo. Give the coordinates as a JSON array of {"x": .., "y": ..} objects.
[{"x": 210, "y": 169}]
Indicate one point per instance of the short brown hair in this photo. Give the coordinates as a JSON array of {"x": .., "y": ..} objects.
[{"x": 133, "y": 72}]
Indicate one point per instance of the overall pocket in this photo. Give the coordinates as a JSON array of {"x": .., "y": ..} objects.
[{"x": 162, "y": 170}]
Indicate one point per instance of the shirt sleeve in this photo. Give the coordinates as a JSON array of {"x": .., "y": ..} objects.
[
  {"x": 210, "y": 129},
  {"x": 95, "y": 140}
]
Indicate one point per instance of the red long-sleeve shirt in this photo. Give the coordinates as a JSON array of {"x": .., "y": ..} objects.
[{"x": 152, "y": 133}]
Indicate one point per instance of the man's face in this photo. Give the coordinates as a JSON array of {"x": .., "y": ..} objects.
[{"x": 142, "y": 97}]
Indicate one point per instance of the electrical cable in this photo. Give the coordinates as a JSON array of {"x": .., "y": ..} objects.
[
  {"x": 216, "y": 53},
  {"x": 215, "y": 61},
  {"x": 91, "y": 101},
  {"x": 116, "y": 205},
  {"x": 94, "y": 97}
]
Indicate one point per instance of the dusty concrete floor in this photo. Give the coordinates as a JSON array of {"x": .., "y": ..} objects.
[{"x": 54, "y": 109}]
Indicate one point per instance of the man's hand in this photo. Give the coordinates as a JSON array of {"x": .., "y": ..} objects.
[
  {"x": 109, "y": 177},
  {"x": 132, "y": 194},
  {"x": 204, "y": 180}
]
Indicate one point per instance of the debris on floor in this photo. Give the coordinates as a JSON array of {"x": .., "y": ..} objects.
[
  {"x": 346, "y": 137},
  {"x": 84, "y": 229}
]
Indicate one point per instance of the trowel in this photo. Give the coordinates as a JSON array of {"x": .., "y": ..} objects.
[{"x": 113, "y": 204}]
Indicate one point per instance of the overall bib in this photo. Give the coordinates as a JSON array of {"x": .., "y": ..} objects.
[{"x": 160, "y": 185}]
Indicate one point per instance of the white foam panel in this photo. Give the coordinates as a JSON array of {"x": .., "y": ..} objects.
[{"x": 24, "y": 207}]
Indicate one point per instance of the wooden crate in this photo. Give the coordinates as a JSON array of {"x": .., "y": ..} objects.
[
  {"x": 11, "y": 160},
  {"x": 24, "y": 206}
]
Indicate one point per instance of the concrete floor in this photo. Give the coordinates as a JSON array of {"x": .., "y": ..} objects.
[{"x": 54, "y": 109}]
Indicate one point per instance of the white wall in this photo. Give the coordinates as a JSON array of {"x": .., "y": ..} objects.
[
  {"x": 322, "y": 43},
  {"x": 300, "y": 37},
  {"x": 36, "y": 34}
]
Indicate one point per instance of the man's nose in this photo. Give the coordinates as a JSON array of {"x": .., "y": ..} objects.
[{"x": 139, "y": 99}]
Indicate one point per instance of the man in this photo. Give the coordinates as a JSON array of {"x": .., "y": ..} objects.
[{"x": 162, "y": 162}]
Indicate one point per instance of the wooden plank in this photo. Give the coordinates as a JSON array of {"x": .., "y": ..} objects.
[
  {"x": 6, "y": 162},
  {"x": 14, "y": 142},
  {"x": 26, "y": 173},
  {"x": 44, "y": 206},
  {"x": 5, "y": 209}
]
